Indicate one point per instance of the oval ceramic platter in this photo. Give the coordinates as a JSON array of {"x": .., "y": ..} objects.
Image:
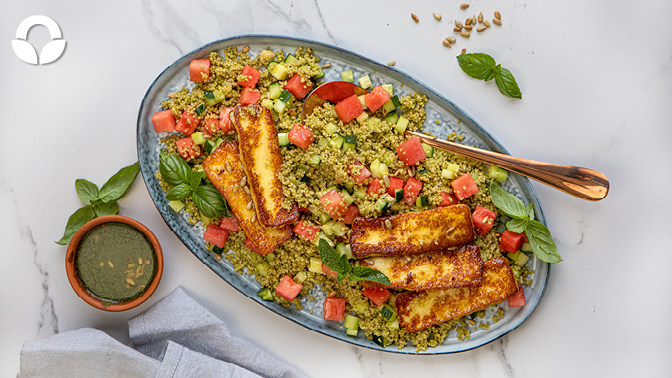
[{"x": 438, "y": 108}]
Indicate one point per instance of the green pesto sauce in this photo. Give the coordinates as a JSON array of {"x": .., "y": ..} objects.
[{"x": 115, "y": 262}]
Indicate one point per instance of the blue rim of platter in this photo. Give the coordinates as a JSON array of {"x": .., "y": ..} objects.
[{"x": 452, "y": 119}]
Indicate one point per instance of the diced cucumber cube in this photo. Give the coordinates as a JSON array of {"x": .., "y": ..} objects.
[
  {"x": 526, "y": 247},
  {"x": 332, "y": 128},
  {"x": 361, "y": 118},
  {"x": 349, "y": 143},
  {"x": 399, "y": 195},
  {"x": 262, "y": 269},
  {"x": 214, "y": 97},
  {"x": 365, "y": 81},
  {"x": 341, "y": 248},
  {"x": 453, "y": 167},
  {"x": 497, "y": 173},
  {"x": 392, "y": 117},
  {"x": 278, "y": 70},
  {"x": 324, "y": 218},
  {"x": 279, "y": 106},
  {"x": 402, "y": 124},
  {"x": 285, "y": 95},
  {"x": 429, "y": 150},
  {"x": 393, "y": 324},
  {"x": 200, "y": 109},
  {"x": 352, "y": 332},
  {"x": 339, "y": 228},
  {"x": 290, "y": 58},
  {"x": 315, "y": 265},
  {"x": 384, "y": 170},
  {"x": 323, "y": 142},
  {"x": 382, "y": 205},
  {"x": 375, "y": 169},
  {"x": 347, "y": 76},
  {"x": 283, "y": 139},
  {"x": 395, "y": 101},
  {"x": 300, "y": 277},
  {"x": 265, "y": 294},
  {"x": 361, "y": 194},
  {"x": 447, "y": 173},
  {"x": 314, "y": 160},
  {"x": 389, "y": 88},
  {"x": 347, "y": 198},
  {"x": 348, "y": 187},
  {"x": 387, "y": 312},
  {"x": 388, "y": 107},
  {"x": 177, "y": 206},
  {"x": 268, "y": 103},
  {"x": 218, "y": 142},
  {"x": 270, "y": 258},
  {"x": 383, "y": 341},
  {"x": 422, "y": 201},
  {"x": 327, "y": 228},
  {"x": 209, "y": 146},
  {"x": 337, "y": 141},
  {"x": 274, "y": 90},
  {"x": 351, "y": 322},
  {"x": 198, "y": 137},
  {"x": 320, "y": 73}
]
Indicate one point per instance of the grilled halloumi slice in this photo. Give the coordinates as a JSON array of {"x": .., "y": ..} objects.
[
  {"x": 412, "y": 233},
  {"x": 422, "y": 309},
  {"x": 262, "y": 161},
  {"x": 225, "y": 171},
  {"x": 445, "y": 269}
]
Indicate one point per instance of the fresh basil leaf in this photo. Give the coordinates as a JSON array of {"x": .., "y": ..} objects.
[
  {"x": 362, "y": 273},
  {"x": 179, "y": 192},
  {"x": 492, "y": 73},
  {"x": 195, "y": 178},
  {"x": 530, "y": 211},
  {"x": 75, "y": 222},
  {"x": 118, "y": 184},
  {"x": 478, "y": 65},
  {"x": 210, "y": 202},
  {"x": 507, "y": 84},
  {"x": 174, "y": 170},
  {"x": 329, "y": 255},
  {"x": 86, "y": 190},
  {"x": 542, "y": 242},
  {"x": 507, "y": 202},
  {"x": 102, "y": 208},
  {"x": 517, "y": 225}
]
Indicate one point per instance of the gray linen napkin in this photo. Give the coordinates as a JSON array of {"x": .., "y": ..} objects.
[{"x": 176, "y": 337}]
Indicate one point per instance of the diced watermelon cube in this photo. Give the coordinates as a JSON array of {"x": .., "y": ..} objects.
[
  {"x": 377, "y": 296},
  {"x": 199, "y": 70},
  {"x": 351, "y": 213},
  {"x": 230, "y": 223},
  {"x": 188, "y": 149},
  {"x": 298, "y": 88},
  {"x": 395, "y": 184},
  {"x": 411, "y": 151},
  {"x": 349, "y": 109},
  {"x": 464, "y": 186},
  {"x": 411, "y": 190},
  {"x": 518, "y": 299},
  {"x": 333, "y": 204},
  {"x": 301, "y": 136},
  {"x": 306, "y": 231},
  {"x": 511, "y": 241},
  {"x": 334, "y": 309},
  {"x": 375, "y": 188},
  {"x": 163, "y": 121},
  {"x": 210, "y": 126},
  {"x": 249, "y": 96},
  {"x": 329, "y": 272},
  {"x": 215, "y": 235},
  {"x": 483, "y": 219},
  {"x": 187, "y": 123},
  {"x": 252, "y": 77},
  {"x": 447, "y": 199},
  {"x": 359, "y": 172},
  {"x": 225, "y": 123},
  {"x": 288, "y": 289},
  {"x": 377, "y": 98}
]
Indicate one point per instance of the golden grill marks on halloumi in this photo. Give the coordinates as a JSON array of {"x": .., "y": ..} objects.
[
  {"x": 418, "y": 310},
  {"x": 262, "y": 161},
  {"x": 412, "y": 233},
  {"x": 433, "y": 270},
  {"x": 225, "y": 171}
]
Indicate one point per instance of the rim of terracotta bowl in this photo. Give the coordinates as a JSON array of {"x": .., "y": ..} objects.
[{"x": 76, "y": 283}]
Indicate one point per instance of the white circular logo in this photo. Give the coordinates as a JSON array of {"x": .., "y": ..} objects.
[{"x": 50, "y": 52}]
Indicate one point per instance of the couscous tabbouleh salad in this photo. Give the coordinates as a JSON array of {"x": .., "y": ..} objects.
[{"x": 404, "y": 239}]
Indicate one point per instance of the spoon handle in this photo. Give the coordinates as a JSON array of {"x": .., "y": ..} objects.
[{"x": 579, "y": 182}]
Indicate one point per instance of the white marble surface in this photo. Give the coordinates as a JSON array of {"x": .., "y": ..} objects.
[{"x": 596, "y": 79}]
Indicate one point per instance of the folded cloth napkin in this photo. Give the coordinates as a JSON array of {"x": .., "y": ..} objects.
[{"x": 176, "y": 337}]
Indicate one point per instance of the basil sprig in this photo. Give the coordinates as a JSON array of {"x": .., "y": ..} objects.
[
  {"x": 175, "y": 171},
  {"x": 340, "y": 264},
  {"x": 99, "y": 202},
  {"x": 522, "y": 220},
  {"x": 483, "y": 67}
]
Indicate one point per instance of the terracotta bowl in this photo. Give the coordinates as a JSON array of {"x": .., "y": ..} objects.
[{"x": 77, "y": 284}]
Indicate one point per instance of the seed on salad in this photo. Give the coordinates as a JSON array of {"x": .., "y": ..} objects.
[
  {"x": 468, "y": 28},
  {"x": 497, "y": 21},
  {"x": 457, "y": 30},
  {"x": 388, "y": 224},
  {"x": 415, "y": 18},
  {"x": 446, "y": 43},
  {"x": 410, "y": 172},
  {"x": 218, "y": 256},
  {"x": 235, "y": 188},
  {"x": 243, "y": 181},
  {"x": 254, "y": 217},
  {"x": 471, "y": 321},
  {"x": 228, "y": 168},
  {"x": 171, "y": 95},
  {"x": 464, "y": 5},
  {"x": 481, "y": 28},
  {"x": 386, "y": 179},
  {"x": 246, "y": 49},
  {"x": 391, "y": 63},
  {"x": 480, "y": 17},
  {"x": 458, "y": 24},
  {"x": 437, "y": 16},
  {"x": 486, "y": 23},
  {"x": 250, "y": 205},
  {"x": 130, "y": 281},
  {"x": 498, "y": 15},
  {"x": 328, "y": 65},
  {"x": 246, "y": 189},
  {"x": 451, "y": 39},
  {"x": 465, "y": 34},
  {"x": 407, "y": 259}
]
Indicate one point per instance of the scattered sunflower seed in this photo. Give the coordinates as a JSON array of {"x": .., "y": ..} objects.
[
  {"x": 386, "y": 179},
  {"x": 473, "y": 20},
  {"x": 171, "y": 95},
  {"x": 250, "y": 205},
  {"x": 468, "y": 28},
  {"x": 498, "y": 15},
  {"x": 480, "y": 17},
  {"x": 130, "y": 281},
  {"x": 457, "y": 30},
  {"x": 228, "y": 168},
  {"x": 415, "y": 18},
  {"x": 437, "y": 16},
  {"x": 328, "y": 65},
  {"x": 254, "y": 217},
  {"x": 388, "y": 224},
  {"x": 497, "y": 21},
  {"x": 451, "y": 39},
  {"x": 407, "y": 259},
  {"x": 391, "y": 63},
  {"x": 481, "y": 28},
  {"x": 464, "y": 5},
  {"x": 110, "y": 264},
  {"x": 458, "y": 24},
  {"x": 243, "y": 181},
  {"x": 246, "y": 189},
  {"x": 246, "y": 49},
  {"x": 471, "y": 321},
  {"x": 467, "y": 21},
  {"x": 446, "y": 43},
  {"x": 486, "y": 23},
  {"x": 218, "y": 256},
  {"x": 465, "y": 34},
  {"x": 235, "y": 188},
  {"x": 464, "y": 51}
]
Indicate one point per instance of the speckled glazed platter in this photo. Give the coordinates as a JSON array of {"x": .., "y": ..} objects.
[{"x": 176, "y": 76}]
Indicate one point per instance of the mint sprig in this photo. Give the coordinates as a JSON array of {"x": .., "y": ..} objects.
[
  {"x": 522, "y": 220},
  {"x": 99, "y": 202},
  {"x": 340, "y": 264},
  {"x": 483, "y": 67}
]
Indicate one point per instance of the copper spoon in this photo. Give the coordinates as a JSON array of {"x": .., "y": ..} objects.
[{"x": 579, "y": 182}]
